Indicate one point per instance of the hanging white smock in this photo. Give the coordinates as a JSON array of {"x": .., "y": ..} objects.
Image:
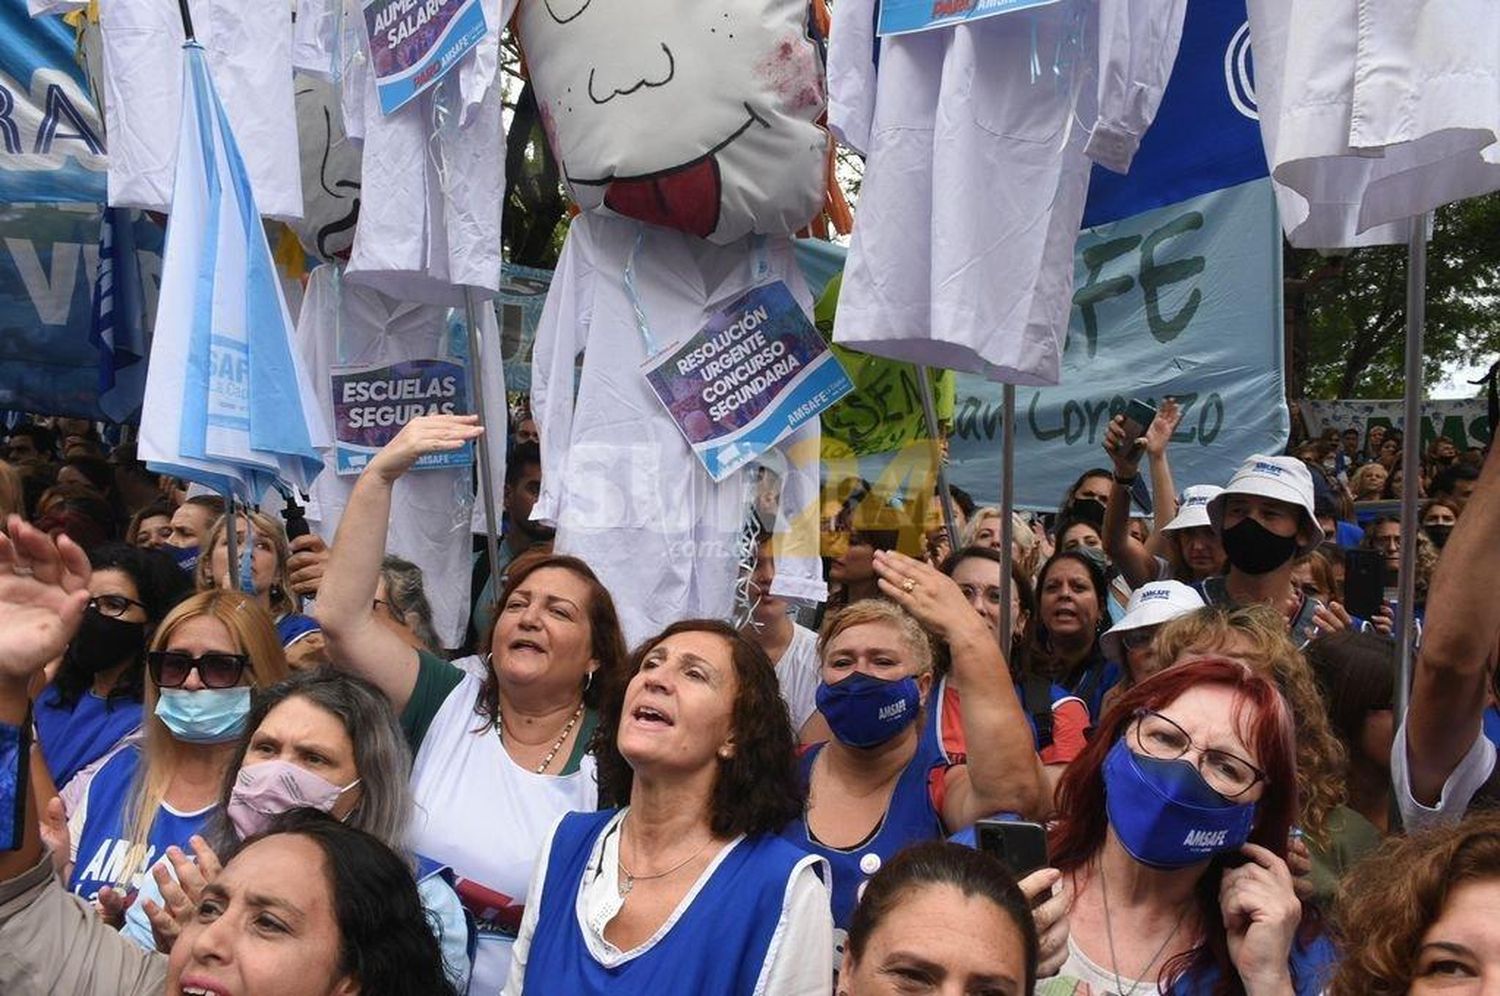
[
  {"x": 980, "y": 141},
  {"x": 618, "y": 479},
  {"x": 345, "y": 323},
  {"x": 248, "y": 48},
  {"x": 433, "y": 177},
  {"x": 1374, "y": 112}
]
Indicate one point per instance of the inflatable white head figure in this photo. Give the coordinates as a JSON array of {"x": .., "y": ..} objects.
[{"x": 695, "y": 115}]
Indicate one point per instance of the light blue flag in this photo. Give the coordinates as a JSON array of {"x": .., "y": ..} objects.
[{"x": 227, "y": 403}]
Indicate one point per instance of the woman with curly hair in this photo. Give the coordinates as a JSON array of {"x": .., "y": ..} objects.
[
  {"x": 1256, "y": 634},
  {"x": 688, "y": 887},
  {"x": 1419, "y": 915}
]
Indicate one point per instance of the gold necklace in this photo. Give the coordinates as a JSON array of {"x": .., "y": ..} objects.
[
  {"x": 541, "y": 768},
  {"x": 627, "y": 880}
]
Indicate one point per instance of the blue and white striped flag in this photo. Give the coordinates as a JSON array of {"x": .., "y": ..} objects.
[{"x": 227, "y": 403}]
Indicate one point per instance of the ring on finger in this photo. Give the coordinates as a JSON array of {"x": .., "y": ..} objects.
[{"x": 907, "y": 585}]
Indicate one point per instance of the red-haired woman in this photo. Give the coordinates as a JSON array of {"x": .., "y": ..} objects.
[{"x": 1173, "y": 839}]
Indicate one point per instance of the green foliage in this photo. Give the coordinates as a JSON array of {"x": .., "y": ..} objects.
[{"x": 1346, "y": 316}]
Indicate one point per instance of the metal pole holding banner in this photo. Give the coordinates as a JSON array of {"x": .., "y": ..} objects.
[
  {"x": 929, "y": 412},
  {"x": 231, "y": 544},
  {"x": 1007, "y": 514},
  {"x": 187, "y": 19},
  {"x": 481, "y": 446},
  {"x": 1411, "y": 442}
]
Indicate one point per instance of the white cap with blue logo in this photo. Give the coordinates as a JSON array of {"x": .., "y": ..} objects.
[
  {"x": 1282, "y": 478},
  {"x": 1193, "y": 511},
  {"x": 1150, "y": 605}
]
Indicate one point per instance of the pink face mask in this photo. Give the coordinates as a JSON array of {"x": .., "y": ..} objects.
[{"x": 266, "y": 790}]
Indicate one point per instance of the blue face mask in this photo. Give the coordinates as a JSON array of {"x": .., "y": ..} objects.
[
  {"x": 207, "y": 716},
  {"x": 1165, "y": 814},
  {"x": 186, "y": 556},
  {"x": 866, "y": 712}
]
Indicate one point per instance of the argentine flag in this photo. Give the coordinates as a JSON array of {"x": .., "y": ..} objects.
[{"x": 227, "y": 404}]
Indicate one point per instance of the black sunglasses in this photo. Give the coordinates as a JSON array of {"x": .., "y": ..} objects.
[{"x": 170, "y": 668}]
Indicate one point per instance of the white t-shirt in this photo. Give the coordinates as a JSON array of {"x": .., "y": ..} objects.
[
  {"x": 1458, "y": 791},
  {"x": 798, "y": 953},
  {"x": 484, "y": 816},
  {"x": 797, "y": 673},
  {"x": 1081, "y": 976}
]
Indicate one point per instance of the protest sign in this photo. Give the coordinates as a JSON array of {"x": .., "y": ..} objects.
[
  {"x": 900, "y": 17},
  {"x": 51, "y": 138},
  {"x": 371, "y": 403},
  {"x": 413, "y": 43},
  {"x": 755, "y": 372},
  {"x": 1183, "y": 301},
  {"x": 1465, "y": 422}
]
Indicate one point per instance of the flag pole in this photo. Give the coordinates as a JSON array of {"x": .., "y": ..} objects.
[
  {"x": 1007, "y": 513},
  {"x": 1411, "y": 442},
  {"x": 481, "y": 446},
  {"x": 187, "y": 20},
  {"x": 231, "y": 544}
]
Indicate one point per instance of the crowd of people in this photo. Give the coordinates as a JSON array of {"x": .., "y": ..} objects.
[{"x": 263, "y": 773}]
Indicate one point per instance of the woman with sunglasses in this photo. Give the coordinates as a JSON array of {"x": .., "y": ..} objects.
[
  {"x": 1172, "y": 841},
  {"x": 94, "y": 701},
  {"x": 206, "y": 656}
]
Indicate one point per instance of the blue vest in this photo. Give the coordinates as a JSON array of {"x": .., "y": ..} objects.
[
  {"x": 718, "y": 947},
  {"x": 1312, "y": 966},
  {"x": 909, "y": 818},
  {"x": 103, "y": 846},
  {"x": 73, "y": 738}
]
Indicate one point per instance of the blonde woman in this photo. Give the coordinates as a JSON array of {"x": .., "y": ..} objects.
[
  {"x": 300, "y": 635},
  {"x": 206, "y": 656},
  {"x": 984, "y": 530}
]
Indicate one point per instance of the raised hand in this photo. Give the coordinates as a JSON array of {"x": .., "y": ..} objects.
[
  {"x": 1261, "y": 913},
  {"x": 1159, "y": 432},
  {"x": 423, "y": 435},
  {"x": 43, "y": 592},
  {"x": 931, "y": 596}
]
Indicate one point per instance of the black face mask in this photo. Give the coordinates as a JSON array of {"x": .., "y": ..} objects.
[
  {"x": 1254, "y": 549},
  {"x": 1439, "y": 535},
  {"x": 102, "y": 642}
]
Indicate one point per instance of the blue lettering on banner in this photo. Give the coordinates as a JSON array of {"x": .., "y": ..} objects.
[{"x": 51, "y": 137}]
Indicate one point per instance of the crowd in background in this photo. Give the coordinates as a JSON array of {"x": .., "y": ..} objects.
[{"x": 1194, "y": 713}]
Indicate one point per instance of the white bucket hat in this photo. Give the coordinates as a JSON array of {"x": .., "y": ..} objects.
[
  {"x": 1283, "y": 478},
  {"x": 1150, "y": 605},
  {"x": 1193, "y": 511}
]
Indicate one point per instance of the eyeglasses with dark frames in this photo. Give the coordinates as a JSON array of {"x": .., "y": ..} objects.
[
  {"x": 1228, "y": 774},
  {"x": 113, "y": 606}
]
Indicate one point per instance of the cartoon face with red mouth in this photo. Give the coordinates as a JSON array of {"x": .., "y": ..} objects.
[{"x": 692, "y": 115}]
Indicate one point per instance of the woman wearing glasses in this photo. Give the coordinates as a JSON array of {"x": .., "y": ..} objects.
[
  {"x": 94, "y": 700},
  {"x": 1172, "y": 842},
  {"x": 206, "y": 656}
]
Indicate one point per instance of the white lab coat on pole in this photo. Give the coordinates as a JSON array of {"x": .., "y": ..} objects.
[
  {"x": 618, "y": 479},
  {"x": 979, "y": 142},
  {"x": 1374, "y": 111}
]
